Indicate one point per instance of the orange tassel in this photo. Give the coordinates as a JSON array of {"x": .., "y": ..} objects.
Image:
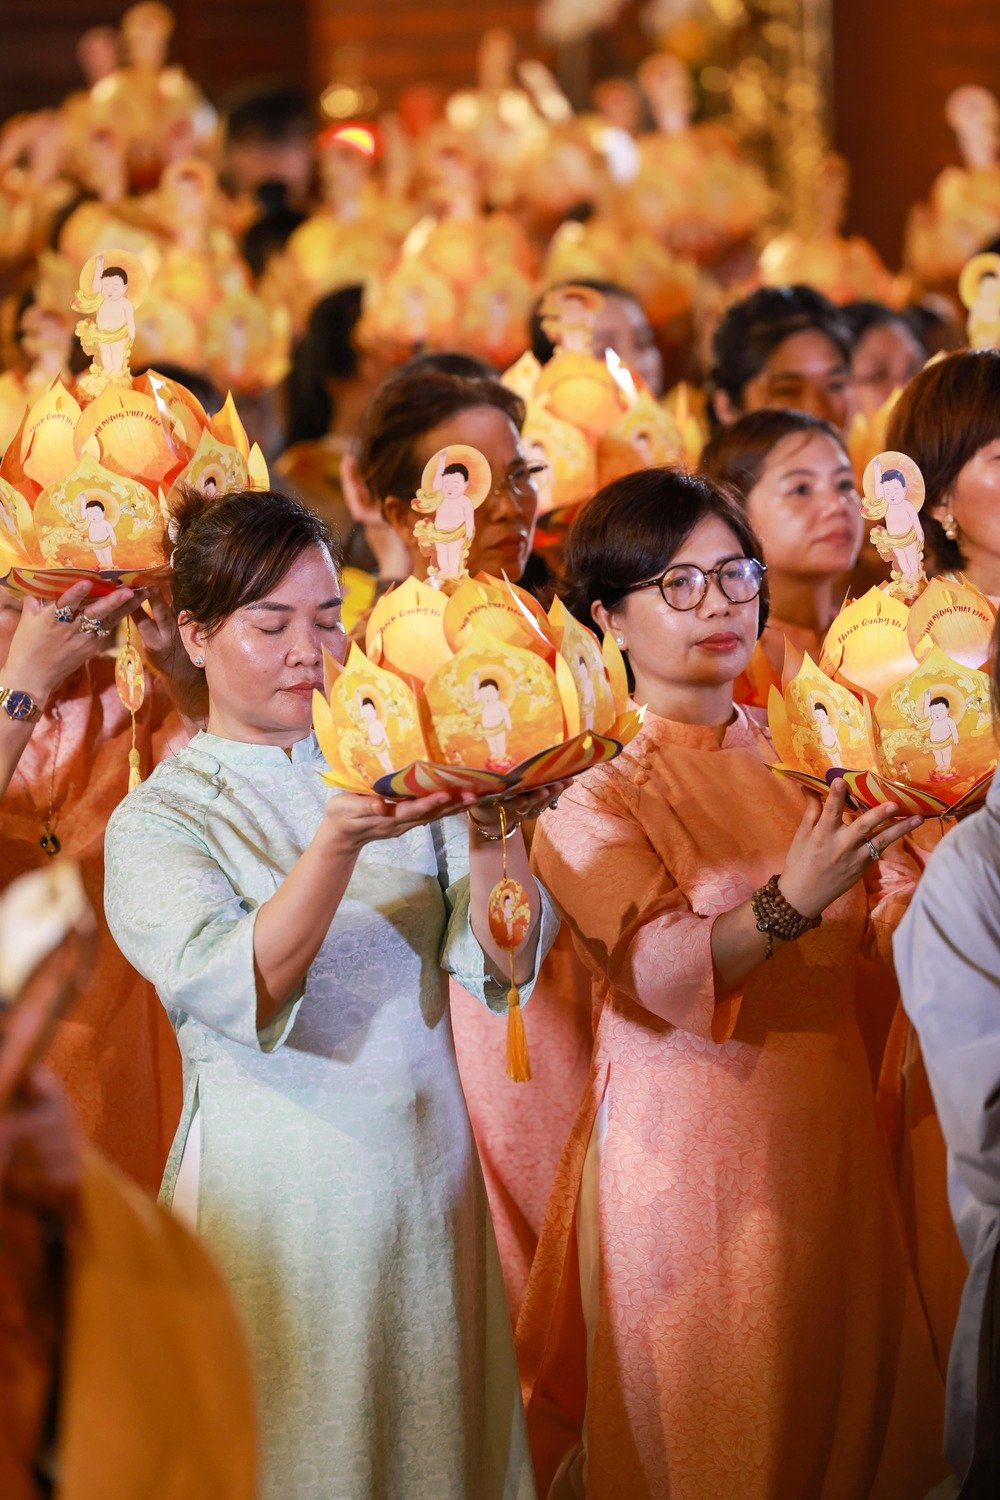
[
  {"x": 518, "y": 1065},
  {"x": 134, "y": 770}
]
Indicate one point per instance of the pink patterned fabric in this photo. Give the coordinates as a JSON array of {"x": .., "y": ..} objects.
[
  {"x": 758, "y": 1332},
  {"x": 521, "y": 1128},
  {"x": 115, "y": 1051}
]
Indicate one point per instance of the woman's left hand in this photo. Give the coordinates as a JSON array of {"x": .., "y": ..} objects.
[{"x": 517, "y": 808}]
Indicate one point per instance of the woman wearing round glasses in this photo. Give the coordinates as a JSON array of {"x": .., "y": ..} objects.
[{"x": 721, "y": 1259}]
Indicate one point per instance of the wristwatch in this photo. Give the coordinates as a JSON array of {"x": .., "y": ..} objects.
[{"x": 19, "y": 706}]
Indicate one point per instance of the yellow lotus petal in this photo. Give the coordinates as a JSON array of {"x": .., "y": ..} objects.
[
  {"x": 122, "y": 430},
  {"x": 410, "y": 622},
  {"x": 954, "y": 616},
  {"x": 934, "y": 727},
  {"x": 614, "y": 665},
  {"x": 493, "y": 705},
  {"x": 570, "y": 698},
  {"x": 868, "y": 641},
  {"x": 257, "y": 476},
  {"x": 48, "y": 448},
  {"x": 227, "y": 428}
]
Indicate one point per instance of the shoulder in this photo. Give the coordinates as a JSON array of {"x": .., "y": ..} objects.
[
  {"x": 612, "y": 787},
  {"x": 176, "y": 793}
]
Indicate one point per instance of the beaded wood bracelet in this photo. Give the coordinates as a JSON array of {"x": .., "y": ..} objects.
[{"x": 777, "y": 917}]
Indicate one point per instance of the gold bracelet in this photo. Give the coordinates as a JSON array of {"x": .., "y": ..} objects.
[{"x": 494, "y": 838}]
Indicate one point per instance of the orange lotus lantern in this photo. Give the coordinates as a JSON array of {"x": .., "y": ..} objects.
[
  {"x": 466, "y": 683},
  {"x": 87, "y": 479},
  {"x": 899, "y": 703}
]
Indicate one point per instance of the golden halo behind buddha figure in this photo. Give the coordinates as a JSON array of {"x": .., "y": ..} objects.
[
  {"x": 912, "y": 477},
  {"x": 480, "y": 477},
  {"x": 137, "y": 282},
  {"x": 987, "y": 264}
]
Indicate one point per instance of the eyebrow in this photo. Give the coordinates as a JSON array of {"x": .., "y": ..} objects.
[
  {"x": 287, "y": 609},
  {"x": 729, "y": 557},
  {"x": 840, "y": 368},
  {"x": 840, "y": 469}
]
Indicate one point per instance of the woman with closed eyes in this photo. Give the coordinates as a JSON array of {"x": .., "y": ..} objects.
[{"x": 299, "y": 939}]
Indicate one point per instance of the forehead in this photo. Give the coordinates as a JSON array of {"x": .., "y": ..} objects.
[
  {"x": 805, "y": 450},
  {"x": 808, "y": 352},
  {"x": 311, "y": 579},
  {"x": 484, "y": 427},
  {"x": 887, "y": 339},
  {"x": 711, "y": 540},
  {"x": 619, "y": 314}
]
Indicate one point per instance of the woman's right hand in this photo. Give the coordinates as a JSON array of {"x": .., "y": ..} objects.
[
  {"x": 828, "y": 855},
  {"x": 44, "y": 651}
]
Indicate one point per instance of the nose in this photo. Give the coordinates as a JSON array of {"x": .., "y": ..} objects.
[
  {"x": 715, "y": 602},
  {"x": 306, "y": 646}
]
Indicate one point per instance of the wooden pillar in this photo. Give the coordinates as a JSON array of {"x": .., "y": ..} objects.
[{"x": 894, "y": 64}]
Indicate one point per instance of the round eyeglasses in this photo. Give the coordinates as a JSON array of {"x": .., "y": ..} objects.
[
  {"x": 685, "y": 586},
  {"x": 519, "y": 482}
]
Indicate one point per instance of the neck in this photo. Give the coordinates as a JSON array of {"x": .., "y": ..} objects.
[
  {"x": 982, "y": 569},
  {"x": 227, "y": 727},
  {"x": 687, "y": 703},
  {"x": 808, "y": 603}
]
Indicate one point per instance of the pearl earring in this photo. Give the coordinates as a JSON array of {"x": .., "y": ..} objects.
[
  {"x": 950, "y": 527},
  {"x": 199, "y": 661},
  {"x": 619, "y": 640}
]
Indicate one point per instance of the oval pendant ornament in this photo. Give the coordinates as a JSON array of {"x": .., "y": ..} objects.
[
  {"x": 130, "y": 677},
  {"x": 509, "y": 914}
]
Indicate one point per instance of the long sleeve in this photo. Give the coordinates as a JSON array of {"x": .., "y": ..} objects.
[
  {"x": 461, "y": 955},
  {"x": 178, "y": 920},
  {"x": 631, "y": 923},
  {"x": 947, "y": 954}
]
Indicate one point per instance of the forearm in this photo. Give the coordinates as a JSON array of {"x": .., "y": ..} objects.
[
  {"x": 485, "y": 870},
  {"x": 292, "y": 924},
  {"x": 13, "y": 738},
  {"x": 737, "y": 947}
]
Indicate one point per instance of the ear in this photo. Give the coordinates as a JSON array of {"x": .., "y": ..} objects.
[
  {"x": 192, "y": 636},
  {"x": 608, "y": 621},
  {"x": 725, "y": 408},
  {"x": 399, "y": 514}
]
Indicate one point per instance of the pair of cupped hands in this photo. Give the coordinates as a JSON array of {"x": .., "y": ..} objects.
[{"x": 360, "y": 819}]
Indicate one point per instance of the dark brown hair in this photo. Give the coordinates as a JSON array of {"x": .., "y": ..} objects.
[
  {"x": 629, "y": 532},
  {"x": 734, "y": 456},
  {"x": 237, "y": 549},
  {"x": 944, "y": 416},
  {"x": 408, "y": 405},
  {"x": 752, "y": 329}
]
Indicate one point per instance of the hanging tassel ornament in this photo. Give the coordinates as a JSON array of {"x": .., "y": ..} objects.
[
  {"x": 130, "y": 680},
  {"x": 509, "y": 914}
]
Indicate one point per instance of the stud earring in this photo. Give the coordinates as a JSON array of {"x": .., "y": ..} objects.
[
  {"x": 950, "y": 527},
  {"x": 619, "y": 640},
  {"x": 199, "y": 661}
]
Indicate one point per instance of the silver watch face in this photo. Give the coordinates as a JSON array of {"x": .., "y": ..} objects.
[{"x": 19, "y": 705}]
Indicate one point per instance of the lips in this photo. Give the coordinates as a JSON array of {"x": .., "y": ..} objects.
[
  {"x": 724, "y": 640},
  {"x": 839, "y": 538},
  {"x": 303, "y": 689}
]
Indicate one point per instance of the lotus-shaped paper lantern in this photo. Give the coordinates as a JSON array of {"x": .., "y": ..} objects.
[
  {"x": 86, "y": 487},
  {"x": 478, "y": 691},
  {"x": 899, "y": 705}
]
